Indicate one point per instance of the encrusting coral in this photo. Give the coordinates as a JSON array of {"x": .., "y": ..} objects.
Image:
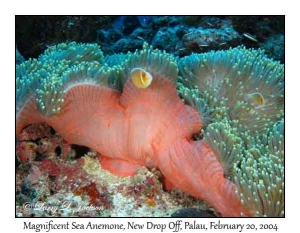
[{"x": 130, "y": 113}]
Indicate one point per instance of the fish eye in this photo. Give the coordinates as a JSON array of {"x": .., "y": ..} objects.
[
  {"x": 261, "y": 99},
  {"x": 143, "y": 74}
]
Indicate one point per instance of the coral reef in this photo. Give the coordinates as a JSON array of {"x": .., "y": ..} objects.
[
  {"x": 201, "y": 39},
  {"x": 172, "y": 34},
  {"x": 184, "y": 35},
  {"x": 66, "y": 187},
  {"x": 273, "y": 46},
  {"x": 127, "y": 109},
  {"x": 179, "y": 35},
  {"x": 36, "y": 33},
  {"x": 262, "y": 30}
]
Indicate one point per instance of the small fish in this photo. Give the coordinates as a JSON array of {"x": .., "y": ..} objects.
[
  {"x": 140, "y": 78},
  {"x": 256, "y": 99},
  {"x": 188, "y": 33},
  {"x": 141, "y": 38},
  {"x": 250, "y": 37}
]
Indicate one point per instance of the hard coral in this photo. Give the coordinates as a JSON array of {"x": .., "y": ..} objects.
[
  {"x": 199, "y": 39},
  {"x": 38, "y": 141},
  {"x": 101, "y": 107}
]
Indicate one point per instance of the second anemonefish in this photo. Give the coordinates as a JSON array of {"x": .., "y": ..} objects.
[{"x": 255, "y": 99}]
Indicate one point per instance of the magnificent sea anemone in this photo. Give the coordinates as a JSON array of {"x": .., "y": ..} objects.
[
  {"x": 127, "y": 108},
  {"x": 240, "y": 94}
]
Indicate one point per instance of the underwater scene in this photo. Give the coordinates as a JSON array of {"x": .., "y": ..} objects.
[{"x": 150, "y": 116}]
